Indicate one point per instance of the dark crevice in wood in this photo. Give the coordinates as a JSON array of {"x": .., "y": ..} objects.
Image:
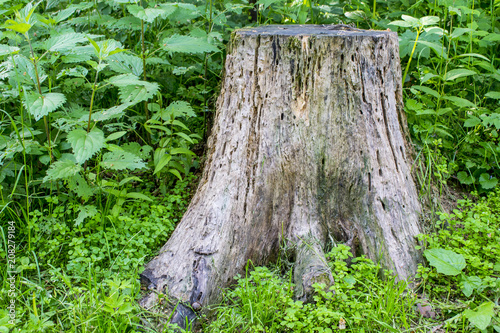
[{"x": 386, "y": 123}]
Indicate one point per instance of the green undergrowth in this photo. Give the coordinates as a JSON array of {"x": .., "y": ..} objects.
[
  {"x": 81, "y": 275},
  {"x": 456, "y": 290}
]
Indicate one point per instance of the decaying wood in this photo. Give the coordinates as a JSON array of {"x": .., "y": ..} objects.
[{"x": 307, "y": 147}]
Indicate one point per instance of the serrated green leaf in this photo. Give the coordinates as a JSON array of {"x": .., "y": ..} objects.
[
  {"x": 26, "y": 69},
  {"x": 125, "y": 63},
  {"x": 121, "y": 160},
  {"x": 6, "y": 49},
  {"x": 80, "y": 187},
  {"x": 457, "y": 73},
  {"x": 138, "y": 93},
  {"x": 64, "y": 14},
  {"x": 188, "y": 44},
  {"x": 148, "y": 14},
  {"x": 41, "y": 105},
  {"x": 493, "y": 94},
  {"x": 465, "y": 178},
  {"x": 84, "y": 212},
  {"x": 64, "y": 42},
  {"x": 111, "y": 113},
  {"x": 481, "y": 316},
  {"x": 445, "y": 261},
  {"x": 177, "y": 109},
  {"x": 63, "y": 168},
  {"x": 487, "y": 182},
  {"x": 137, "y": 195},
  {"x": 133, "y": 90},
  {"x": 460, "y": 102},
  {"x": 85, "y": 145}
]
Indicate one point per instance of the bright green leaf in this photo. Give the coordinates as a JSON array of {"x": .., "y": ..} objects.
[
  {"x": 64, "y": 168},
  {"x": 188, "y": 44},
  {"x": 85, "y": 145},
  {"x": 493, "y": 94},
  {"x": 481, "y": 316},
  {"x": 115, "y": 135},
  {"x": 137, "y": 195},
  {"x": 121, "y": 160},
  {"x": 457, "y": 73},
  {"x": 41, "y": 105},
  {"x": 445, "y": 261},
  {"x": 465, "y": 178},
  {"x": 487, "y": 182},
  {"x": 460, "y": 102}
]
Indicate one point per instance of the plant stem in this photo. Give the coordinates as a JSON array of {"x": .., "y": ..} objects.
[
  {"x": 92, "y": 99},
  {"x": 411, "y": 55},
  {"x": 39, "y": 88}
]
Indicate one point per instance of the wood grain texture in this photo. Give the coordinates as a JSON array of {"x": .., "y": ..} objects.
[{"x": 307, "y": 147}]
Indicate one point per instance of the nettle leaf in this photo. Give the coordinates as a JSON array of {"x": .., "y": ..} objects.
[
  {"x": 80, "y": 187},
  {"x": 41, "y": 105},
  {"x": 111, "y": 113},
  {"x": 64, "y": 42},
  {"x": 126, "y": 64},
  {"x": 487, "y": 182},
  {"x": 85, "y": 211},
  {"x": 85, "y": 145},
  {"x": 465, "y": 178},
  {"x": 6, "y": 49},
  {"x": 188, "y": 44},
  {"x": 177, "y": 109},
  {"x": 445, "y": 261},
  {"x": 64, "y": 14},
  {"x": 148, "y": 14},
  {"x": 138, "y": 93},
  {"x": 78, "y": 71},
  {"x": 457, "y": 73},
  {"x": 481, "y": 316},
  {"x": 64, "y": 168},
  {"x": 26, "y": 68},
  {"x": 121, "y": 160},
  {"x": 132, "y": 90}
]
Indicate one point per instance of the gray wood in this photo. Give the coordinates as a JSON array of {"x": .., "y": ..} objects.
[{"x": 307, "y": 147}]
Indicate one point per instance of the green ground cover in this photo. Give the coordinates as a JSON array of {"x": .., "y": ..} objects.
[{"x": 105, "y": 108}]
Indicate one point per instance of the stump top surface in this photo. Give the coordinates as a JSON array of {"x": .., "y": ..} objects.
[{"x": 310, "y": 30}]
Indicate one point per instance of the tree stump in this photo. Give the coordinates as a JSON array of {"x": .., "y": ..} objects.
[{"x": 308, "y": 146}]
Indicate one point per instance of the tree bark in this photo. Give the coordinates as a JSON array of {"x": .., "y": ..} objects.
[{"x": 308, "y": 147}]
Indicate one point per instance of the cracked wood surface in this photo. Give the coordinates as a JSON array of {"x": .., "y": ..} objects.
[{"x": 308, "y": 146}]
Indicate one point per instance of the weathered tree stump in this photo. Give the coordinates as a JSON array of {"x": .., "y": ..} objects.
[{"x": 307, "y": 146}]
